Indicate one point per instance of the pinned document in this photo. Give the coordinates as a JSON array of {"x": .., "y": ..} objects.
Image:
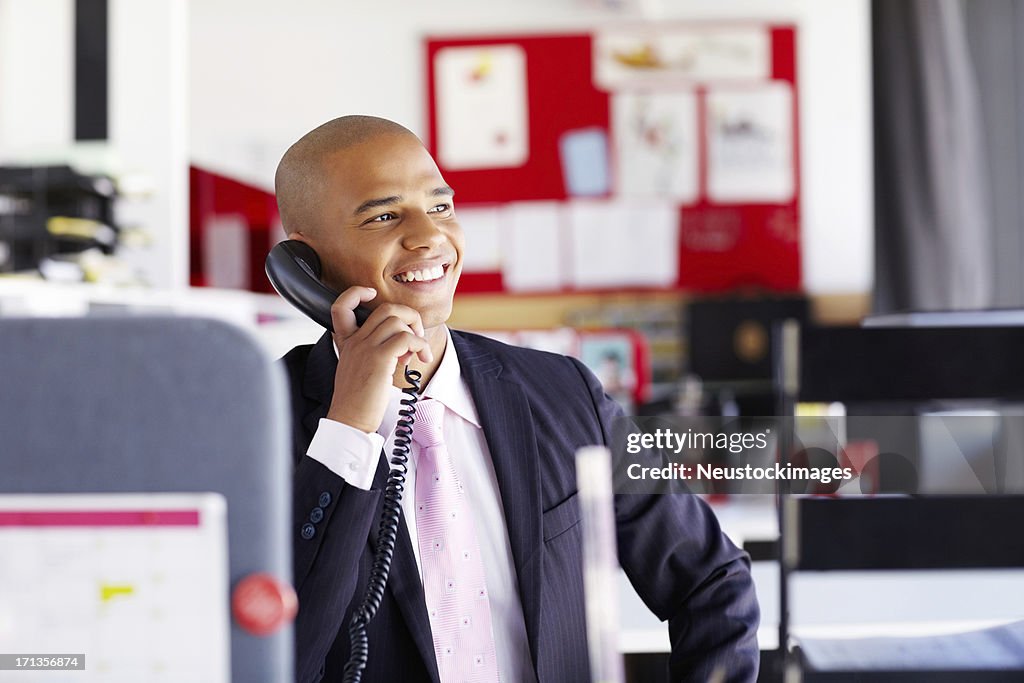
[
  {"x": 481, "y": 106},
  {"x": 533, "y": 247},
  {"x": 750, "y": 144},
  {"x": 656, "y": 145},
  {"x": 585, "y": 162},
  {"x": 482, "y": 228},
  {"x": 624, "y": 244}
]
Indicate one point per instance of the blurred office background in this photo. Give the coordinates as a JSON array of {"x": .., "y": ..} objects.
[
  {"x": 663, "y": 179},
  {"x": 888, "y": 177},
  {"x": 187, "y": 108}
]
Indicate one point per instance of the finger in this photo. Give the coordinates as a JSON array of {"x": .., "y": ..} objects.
[
  {"x": 404, "y": 342},
  {"x": 426, "y": 356},
  {"x": 410, "y": 316},
  {"x": 342, "y": 310},
  {"x": 387, "y": 328}
]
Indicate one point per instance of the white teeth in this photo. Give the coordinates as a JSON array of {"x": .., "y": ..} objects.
[{"x": 425, "y": 275}]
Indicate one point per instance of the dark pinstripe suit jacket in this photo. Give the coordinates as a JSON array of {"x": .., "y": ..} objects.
[{"x": 536, "y": 410}]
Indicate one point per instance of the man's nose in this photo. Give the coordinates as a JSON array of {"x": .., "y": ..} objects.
[{"x": 421, "y": 232}]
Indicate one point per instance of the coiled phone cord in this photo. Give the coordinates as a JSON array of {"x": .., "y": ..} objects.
[{"x": 359, "y": 649}]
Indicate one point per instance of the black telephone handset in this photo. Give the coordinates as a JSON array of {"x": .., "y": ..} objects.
[{"x": 294, "y": 270}]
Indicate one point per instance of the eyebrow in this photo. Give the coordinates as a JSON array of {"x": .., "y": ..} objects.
[
  {"x": 442, "y": 191},
  {"x": 375, "y": 203}
]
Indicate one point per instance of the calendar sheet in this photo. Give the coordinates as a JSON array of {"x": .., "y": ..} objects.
[{"x": 138, "y": 584}]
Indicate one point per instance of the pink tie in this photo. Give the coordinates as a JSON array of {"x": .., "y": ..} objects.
[{"x": 453, "y": 571}]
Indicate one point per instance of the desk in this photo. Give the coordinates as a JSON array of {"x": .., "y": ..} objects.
[{"x": 842, "y": 604}]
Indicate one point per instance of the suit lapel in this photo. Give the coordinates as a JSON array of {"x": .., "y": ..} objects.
[
  {"x": 404, "y": 581},
  {"x": 508, "y": 427}
]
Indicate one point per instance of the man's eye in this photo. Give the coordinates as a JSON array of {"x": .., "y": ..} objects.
[
  {"x": 384, "y": 217},
  {"x": 440, "y": 208}
]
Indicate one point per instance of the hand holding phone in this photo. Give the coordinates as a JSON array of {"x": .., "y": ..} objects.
[
  {"x": 370, "y": 345},
  {"x": 368, "y": 359}
]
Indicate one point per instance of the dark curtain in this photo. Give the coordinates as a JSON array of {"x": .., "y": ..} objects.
[
  {"x": 995, "y": 29},
  {"x": 933, "y": 211}
]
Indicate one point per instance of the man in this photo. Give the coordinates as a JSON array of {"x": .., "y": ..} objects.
[{"x": 507, "y": 603}]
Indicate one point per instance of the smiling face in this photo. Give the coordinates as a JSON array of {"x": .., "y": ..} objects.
[{"x": 385, "y": 219}]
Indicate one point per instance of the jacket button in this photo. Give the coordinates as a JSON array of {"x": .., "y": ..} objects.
[
  {"x": 316, "y": 515},
  {"x": 308, "y": 531},
  {"x": 325, "y": 499}
]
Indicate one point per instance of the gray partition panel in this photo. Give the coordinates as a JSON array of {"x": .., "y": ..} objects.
[{"x": 157, "y": 404}]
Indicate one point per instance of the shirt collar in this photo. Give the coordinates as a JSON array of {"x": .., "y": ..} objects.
[{"x": 448, "y": 387}]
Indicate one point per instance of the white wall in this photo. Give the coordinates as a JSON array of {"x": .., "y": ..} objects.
[
  {"x": 264, "y": 72},
  {"x": 36, "y": 76},
  {"x": 147, "y": 108}
]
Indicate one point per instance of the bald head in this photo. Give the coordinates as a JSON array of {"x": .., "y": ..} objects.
[{"x": 300, "y": 183}]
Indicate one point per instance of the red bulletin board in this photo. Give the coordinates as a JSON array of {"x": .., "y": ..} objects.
[
  {"x": 559, "y": 99},
  {"x": 722, "y": 246}
]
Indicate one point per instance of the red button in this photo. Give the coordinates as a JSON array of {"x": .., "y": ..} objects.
[{"x": 262, "y": 604}]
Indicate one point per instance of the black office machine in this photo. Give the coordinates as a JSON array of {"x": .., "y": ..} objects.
[{"x": 51, "y": 210}]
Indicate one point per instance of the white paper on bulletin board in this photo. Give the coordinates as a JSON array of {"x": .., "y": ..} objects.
[
  {"x": 482, "y": 229},
  {"x": 624, "y": 244},
  {"x": 481, "y": 107},
  {"x": 669, "y": 56},
  {"x": 137, "y": 583},
  {"x": 532, "y": 247},
  {"x": 750, "y": 144},
  {"x": 656, "y": 145}
]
